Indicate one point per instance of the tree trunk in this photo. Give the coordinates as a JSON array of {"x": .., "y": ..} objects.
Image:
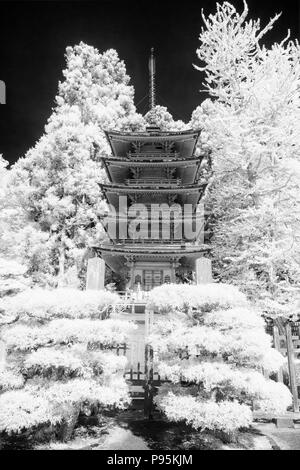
[{"x": 61, "y": 260}]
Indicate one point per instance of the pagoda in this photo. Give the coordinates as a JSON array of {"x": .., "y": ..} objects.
[{"x": 156, "y": 224}]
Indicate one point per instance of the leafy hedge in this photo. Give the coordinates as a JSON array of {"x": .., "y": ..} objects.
[
  {"x": 60, "y": 358},
  {"x": 212, "y": 347}
]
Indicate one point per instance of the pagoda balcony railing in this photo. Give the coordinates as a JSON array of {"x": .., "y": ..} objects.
[
  {"x": 159, "y": 216},
  {"x": 133, "y": 296},
  {"x": 154, "y": 182},
  {"x": 153, "y": 154},
  {"x": 153, "y": 241}
]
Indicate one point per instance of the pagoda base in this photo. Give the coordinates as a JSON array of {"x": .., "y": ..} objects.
[{"x": 145, "y": 267}]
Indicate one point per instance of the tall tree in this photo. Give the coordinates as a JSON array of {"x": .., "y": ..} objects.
[
  {"x": 251, "y": 124},
  {"x": 56, "y": 183},
  {"x": 3, "y": 170},
  {"x": 160, "y": 116}
]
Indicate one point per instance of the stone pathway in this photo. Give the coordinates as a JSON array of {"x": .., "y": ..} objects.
[
  {"x": 282, "y": 438},
  {"x": 119, "y": 438}
]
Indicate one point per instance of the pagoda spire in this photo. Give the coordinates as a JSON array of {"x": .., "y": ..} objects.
[{"x": 152, "y": 79}]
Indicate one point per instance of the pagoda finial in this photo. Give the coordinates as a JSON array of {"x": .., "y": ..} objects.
[{"x": 152, "y": 79}]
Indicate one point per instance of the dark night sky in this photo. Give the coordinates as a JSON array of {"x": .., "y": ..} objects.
[{"x": 34, "y": 35}]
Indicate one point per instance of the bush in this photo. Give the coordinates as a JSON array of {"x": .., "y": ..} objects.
[
  {"x": 224, "y": 416},
  {"x": 212, "y": 347},
  {"x": 12, "y": 280},
  {"x": 60, "y": 357},
  {"x": 61, "y": 303},
  {"x": 10, "y": 380},
  {"x": 22, "y": 410}
]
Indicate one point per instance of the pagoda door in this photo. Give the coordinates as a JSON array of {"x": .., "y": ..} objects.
[
  {"x": 157, "y": 278},
  {"x": 152, "y": 278}
]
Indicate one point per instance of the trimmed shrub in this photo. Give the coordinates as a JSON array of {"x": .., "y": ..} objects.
[
  {"x": 61, "y": 358},
  {"x": 212, "y": 347}
]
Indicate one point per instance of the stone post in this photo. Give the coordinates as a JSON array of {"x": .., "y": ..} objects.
[
  {"x": 95, "y": 274},
  {"x": 203, "y": 271}
]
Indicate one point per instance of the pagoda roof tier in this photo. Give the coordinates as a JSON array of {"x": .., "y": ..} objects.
[
  {"x": 120, "y": 169},
  {"x": 177, "y": 219},
  {"x": 152, "y": 162},
  {"x": 184, "y": 142},
  {"x": 162, "y": 160},
  {"x": 139, "y": 188},
  {"x": 116, "y": 255},
  {"x": 184, "y": 194}
]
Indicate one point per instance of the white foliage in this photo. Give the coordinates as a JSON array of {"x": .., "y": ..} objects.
[
  {"x": 79, "y": 392},
  {"x": 62, "y": 348},
  {"x": 58, "y": 303},
  {"x": 225, "y": 416},
  {"x": 275, "y": 399},
  {"x": 45, "y": 359},
  {"x": 234, "y": 318},
  {"x": 174, "y": 296},
  {"x": 12, "y": 280},
  {"x": 160, "y": 117},
  {"x": 55, "y": 186},
  {"x": 106, "y": 332},
  {"x": 9, "y": 267},
  {"x": 10, "y": 380},
  {"x": 108, "y": 363},
  {"x": 229, "y": 49},
  {"x": 34, "y": 406},
  {"x": 20, "y": 410},
  {"x": 251, "y": 125},
  {"x": 272, "y": 360},
  {"x": 212, "y": 346}
]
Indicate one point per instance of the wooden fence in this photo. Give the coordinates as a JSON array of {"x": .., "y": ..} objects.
[{"x": 286, "y": 339}]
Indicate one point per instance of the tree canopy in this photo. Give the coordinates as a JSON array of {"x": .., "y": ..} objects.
[
  {"x": 251, "y": 125},
  {"x": 55, "y": 187}
]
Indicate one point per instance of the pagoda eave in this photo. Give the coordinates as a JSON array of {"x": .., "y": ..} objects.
[
  {"x": 153, "y": 250},
  {"x": 162, "y": 162},
  {"x": 119, "y": 170},
  {"x": 164, "y": 135},
  {"x": 116, "y": 256},
  {"x": 185, "y": 189},
  {"x": 184, "y": 195},
  {"x": 184, "y": 141}
]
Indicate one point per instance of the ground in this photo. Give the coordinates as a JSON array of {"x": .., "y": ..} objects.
[
  {"x": 281, "y": 438},
  {"x": 130, "y": 431}
]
